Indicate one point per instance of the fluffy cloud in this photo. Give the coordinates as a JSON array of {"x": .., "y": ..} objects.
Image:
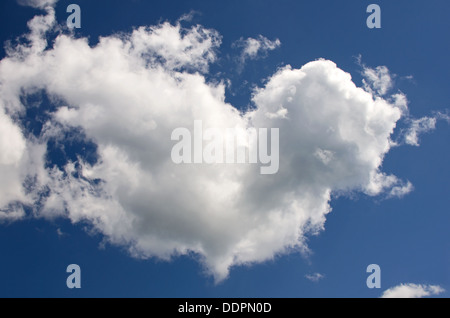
[
  {"x": 128, "y": 93},
  {"x": 412, "y": 291}
]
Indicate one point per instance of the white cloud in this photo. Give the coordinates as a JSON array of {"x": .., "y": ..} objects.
[
  {"x": 20, "y": 161},
  {"x": 37, "y": 42},
  {"x": 254, "y": 48},
  {"x": 422, "y": 125},
  {"x": 419, "y": 126},
  {"x": 377, "y": 80},
  {"x": 39, "y": 4},
  {"x": 412, "y": 291},
  {"x": 169, "y": 45},
  {"x": 129, "y": 93},
  {"x": 314, "y": 277},
  {"x": 401, "y": 190},
  {"x": 188, "y": 16}
]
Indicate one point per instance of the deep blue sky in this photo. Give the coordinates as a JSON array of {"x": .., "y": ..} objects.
[{"x": 409, "y": 237}]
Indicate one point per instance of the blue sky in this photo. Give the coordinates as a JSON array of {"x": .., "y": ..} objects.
[{"x": 407, "y": 236}]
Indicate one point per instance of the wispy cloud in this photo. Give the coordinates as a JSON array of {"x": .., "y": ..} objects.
[
  {"x": 314, "y": 277},
  {"x": 38, "y": 4},
  {"x": 60, "y": 233},
  {"x": 254, "y": 48},
  {"x": 188, "y": 17},
  {"x": 421, "y": 126}
]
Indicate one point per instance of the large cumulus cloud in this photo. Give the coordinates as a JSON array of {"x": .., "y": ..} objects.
[{"x": 128, "y": 93}]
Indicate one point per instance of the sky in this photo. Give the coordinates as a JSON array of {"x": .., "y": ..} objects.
[{"x": 359, "y": 177}]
